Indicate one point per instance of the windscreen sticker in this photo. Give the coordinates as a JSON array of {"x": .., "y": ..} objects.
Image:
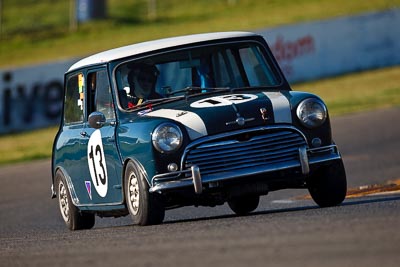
[
  {"x": 224, "y": 100},
  {"x": 81, "y": 84},
  {"x": 97, "y": 163}
]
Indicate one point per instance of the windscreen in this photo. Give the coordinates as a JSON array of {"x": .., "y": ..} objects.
[{"x": 242, "y": 65}]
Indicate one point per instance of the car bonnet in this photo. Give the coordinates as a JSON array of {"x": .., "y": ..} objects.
[{"x": 226, "y": 112}]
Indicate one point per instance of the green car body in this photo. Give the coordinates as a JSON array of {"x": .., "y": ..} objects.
[{"x": 221, "y": 125}]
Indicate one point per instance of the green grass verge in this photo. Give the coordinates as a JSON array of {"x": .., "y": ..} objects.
[
  {"x": 345, "y": 94},
  {"x": 358, "y": 92},
  {"x": 27, "y": 146},
  {"x": 34, "y": 31}
]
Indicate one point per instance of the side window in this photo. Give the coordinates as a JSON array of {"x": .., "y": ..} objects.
[
  {"x": 74, "y": 97},
  {"x": 99, "y": 92}
]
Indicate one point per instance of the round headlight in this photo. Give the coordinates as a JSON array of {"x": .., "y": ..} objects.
[
  {"x": 167, "y": 138},
  {"x": 312, "y": 112}
]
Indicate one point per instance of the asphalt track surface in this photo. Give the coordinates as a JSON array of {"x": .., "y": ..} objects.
[{"x": 283, "y": 231}]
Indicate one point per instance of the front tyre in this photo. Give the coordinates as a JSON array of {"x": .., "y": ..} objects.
[
  {"x": 72, "y": 216},
  {"x": 328, "y": 186},
  {"x": 145, "y": 208},
  {"x": 243, "y": 205}
]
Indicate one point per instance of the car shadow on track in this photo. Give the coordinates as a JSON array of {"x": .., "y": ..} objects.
[
  {"x": 347, "y": 202},
  {"x": 300, "y": 206}
]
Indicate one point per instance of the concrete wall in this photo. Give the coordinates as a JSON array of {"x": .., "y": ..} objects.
[
  {"x": 31, "y": 97},
  {"x": 326, "y": 48}
]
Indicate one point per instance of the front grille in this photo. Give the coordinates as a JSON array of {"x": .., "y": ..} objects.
[{"x": 249, "y": 150}]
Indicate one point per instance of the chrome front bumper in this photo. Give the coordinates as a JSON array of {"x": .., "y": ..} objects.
[{"x": 192, "y": 177}]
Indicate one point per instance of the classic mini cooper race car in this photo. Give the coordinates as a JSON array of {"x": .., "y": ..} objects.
[{"x": 194, "y": 120}]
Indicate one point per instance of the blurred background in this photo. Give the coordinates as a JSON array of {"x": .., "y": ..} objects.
[
  {"x": 344, "y": 51},
  {"x": 33, "y": 31}
]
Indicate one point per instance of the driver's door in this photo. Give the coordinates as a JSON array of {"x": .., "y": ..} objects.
[{"x": 100, "y": 170}]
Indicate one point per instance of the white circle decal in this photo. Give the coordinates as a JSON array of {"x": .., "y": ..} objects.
[
  {"x": 224, "y": 100},
  {"x": 97, "y": 163}
]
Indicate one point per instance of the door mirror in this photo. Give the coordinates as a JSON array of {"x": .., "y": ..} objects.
[{"x": 97, "y": 119}]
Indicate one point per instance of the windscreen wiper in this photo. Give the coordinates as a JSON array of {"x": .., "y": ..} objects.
[
  {"x": 156, "y": 101},
  {"x": 194, "y": 90},
  {"x": 187, "y": 90}
]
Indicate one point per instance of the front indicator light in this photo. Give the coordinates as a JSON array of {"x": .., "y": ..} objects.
[{"x": 172, "y": 167}]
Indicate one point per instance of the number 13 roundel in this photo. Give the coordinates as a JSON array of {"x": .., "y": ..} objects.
[{"x": 97, "y": 163}]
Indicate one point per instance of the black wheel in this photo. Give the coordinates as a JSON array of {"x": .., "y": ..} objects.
[
  {"x": 72, "y": 216},
  {"x": 244, "y": 204},
  {"x": 145, "y": 208},
  {"x": 328, "y": 186}
]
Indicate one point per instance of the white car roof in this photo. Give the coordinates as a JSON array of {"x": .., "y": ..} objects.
[{"x": 135, "y": 49}]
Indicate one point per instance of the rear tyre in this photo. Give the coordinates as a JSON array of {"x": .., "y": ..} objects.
[
  {"x": 328, "y": 186},
  {"x": 145, "y": 208},
  {"x": 243, "y": 205},
  {"x": 72, "y": 216}
]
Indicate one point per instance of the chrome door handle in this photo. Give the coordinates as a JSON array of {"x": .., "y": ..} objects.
[{"x": 84, "y": 134}]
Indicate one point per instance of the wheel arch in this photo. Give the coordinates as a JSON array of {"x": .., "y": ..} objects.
[
  {"x": 68, "y": 180},
  {"x": 139, "y": 167}
]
